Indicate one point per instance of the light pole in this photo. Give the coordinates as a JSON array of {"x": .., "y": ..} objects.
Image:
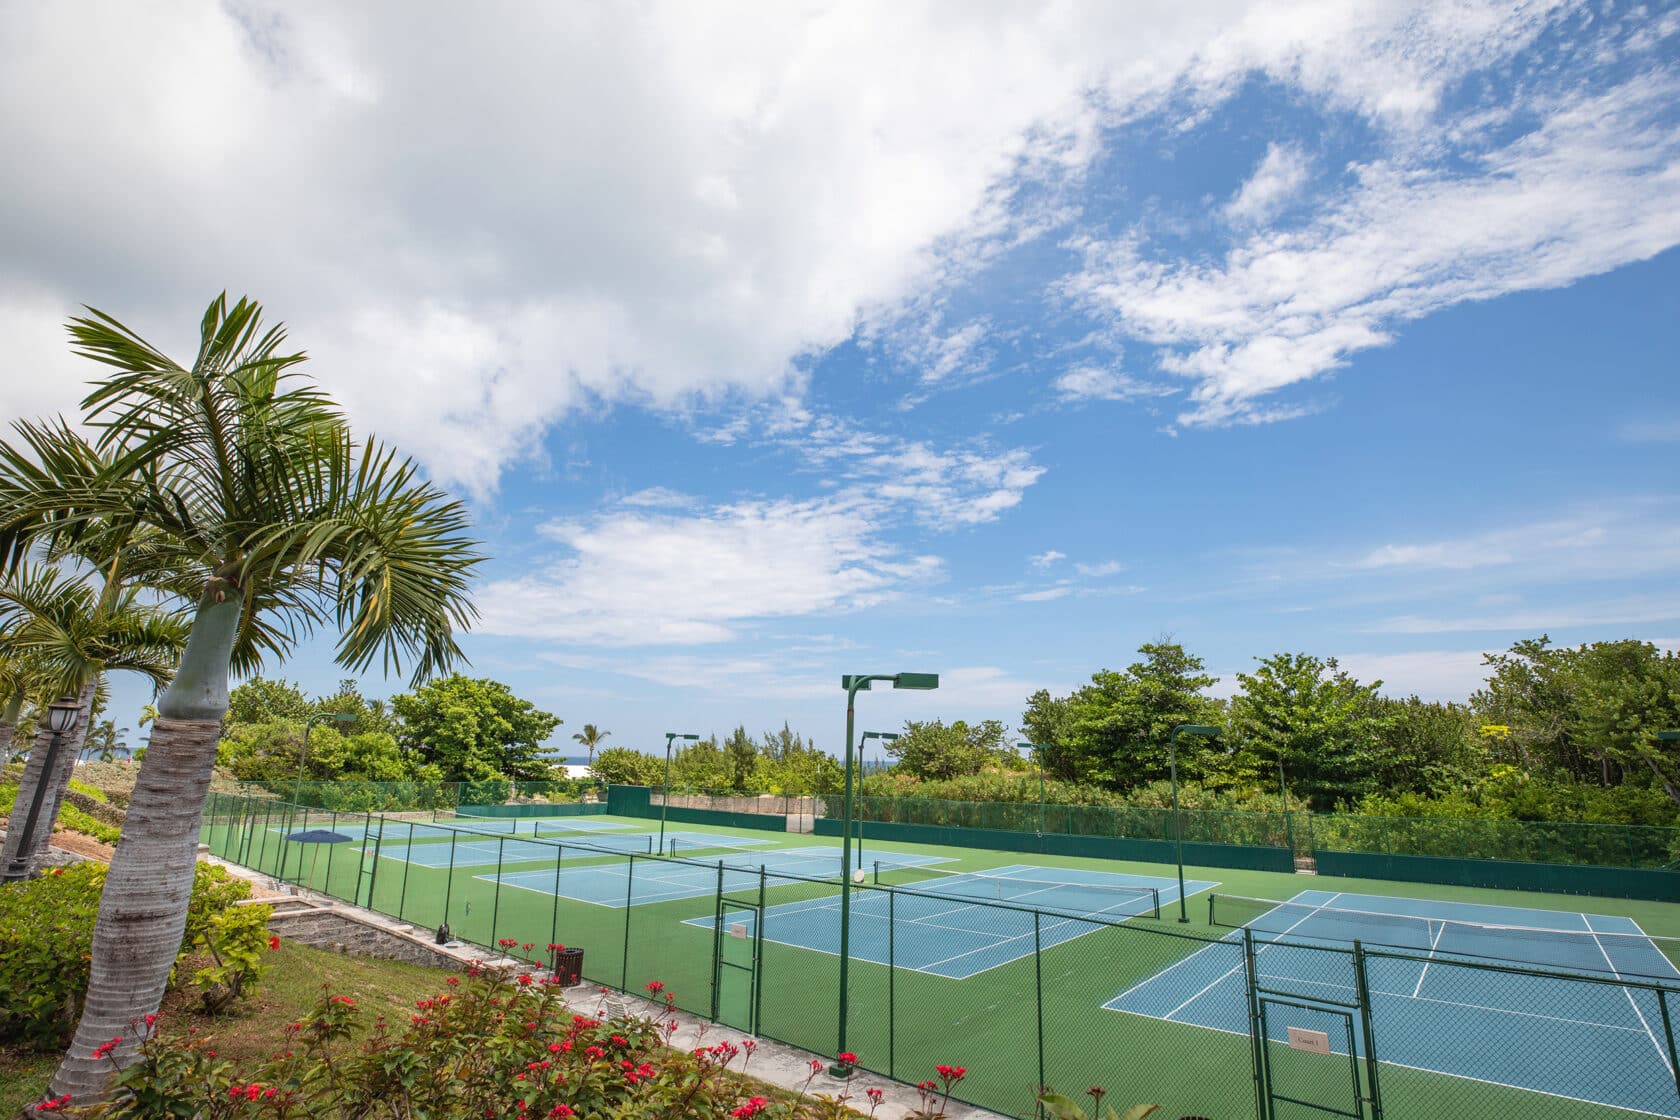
[
  {"x": 1038, "y": 753},
  {"x": 886, "y": 737},
  {"x": 1178, "y": 819},
  {"x": 665, "y": 793},
  {"x": 854, "y": 684},
  {"x": 62, "y": 715},
  {"x": 303, "y": 755}
]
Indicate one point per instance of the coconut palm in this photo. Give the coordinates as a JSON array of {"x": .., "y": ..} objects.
[
  {"x": 591, "y": 738},
  {"x": 253, "y": 487},
  {"x": 76, "y": 630},
  {"x": 20, "y": 686}
]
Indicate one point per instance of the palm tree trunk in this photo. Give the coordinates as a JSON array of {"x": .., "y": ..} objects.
[
  {"x": 8, "y": 725},
  {"x": 143, "y": 912},
  {"x": 57, "y": 782}
]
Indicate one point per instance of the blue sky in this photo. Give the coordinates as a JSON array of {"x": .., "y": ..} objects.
[{"x": 785, "y": 341}]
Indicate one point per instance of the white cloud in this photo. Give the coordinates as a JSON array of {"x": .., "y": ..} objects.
[
  {"x": 1625, "y": 611},
  {"x": 1431, "y": 674},
  {"x": 1046, "y": 595},
  {"x": 1098, "y": 571},
  {"x": 1615, "y": 539},
  {"x": 1046, "y": 558},
  {"x": 1281, "y": 174},
  {"x": 636, "y": 578},
  {"x": 1091, "y": 383},
  {"x": 479, "y": 226},
  {"x": 660, "y": 497},
  {"x": 1590, "y": 188}
]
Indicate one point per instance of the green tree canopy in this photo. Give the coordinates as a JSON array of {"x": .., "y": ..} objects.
[
  {"x": 1119, "y": 726},
  {"x": 937, "y": 751},
  {"x": 474, "y": 729},
  {"x": 1322, "y": 723}
]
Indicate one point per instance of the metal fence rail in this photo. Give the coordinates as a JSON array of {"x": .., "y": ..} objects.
[{"x": 1226, "y": 1028}]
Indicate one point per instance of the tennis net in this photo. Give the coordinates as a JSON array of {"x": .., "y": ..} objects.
[
  {"x": 1061, "y": 896},
  {"x": 454, "y": 822},
  {"x": 1615, "y": 953}
]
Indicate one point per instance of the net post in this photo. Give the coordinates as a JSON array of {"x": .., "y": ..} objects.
[{"x": 1038, "y": 991}]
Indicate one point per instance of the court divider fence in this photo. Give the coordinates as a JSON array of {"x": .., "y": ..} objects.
[{"x": 1208, "y": 1026}]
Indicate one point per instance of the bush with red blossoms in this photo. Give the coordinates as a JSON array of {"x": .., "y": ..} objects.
[{"x": 487, "y": 1046}]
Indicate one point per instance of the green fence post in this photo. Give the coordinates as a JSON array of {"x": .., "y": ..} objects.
[
  {"x": 1668, "y": 1035},
  {"x": 1038, "y": 989},
  {"x": 402, "y": 891},
  {"x": 496, "y": 895},
  {"x": 373, "y": 875},
  {"x": 554, "y": 917},
  {"x": 892, "y": 972},
  {"x": 1362, "y": 995},
  {"x": 629, "y": 889},
  {"x": 449, "y": 883}
]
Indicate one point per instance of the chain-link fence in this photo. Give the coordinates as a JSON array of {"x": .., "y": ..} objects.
[{"x": 1239, "y": 1026}]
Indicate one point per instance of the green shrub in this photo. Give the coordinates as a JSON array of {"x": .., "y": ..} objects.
[
  {"x": 489, "y": 1045},
  {"x": 46, "y": 938}
]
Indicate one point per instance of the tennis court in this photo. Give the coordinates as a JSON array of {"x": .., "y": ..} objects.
[
  {"x": 577, "y": 844},
  {"x": 666, "y": 881},
  {"x": 927, "y": 925},
  {"x": 1602, "y": 1042}
]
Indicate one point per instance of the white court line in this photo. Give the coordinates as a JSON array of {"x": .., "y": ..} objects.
[
  {"x": 1257, "y": 953},
  {"x": 1661, "y": 1053},
  {"x": 1436, "y": 940}
]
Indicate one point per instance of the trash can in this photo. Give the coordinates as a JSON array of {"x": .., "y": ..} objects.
[{"x": 568, "y": 966}]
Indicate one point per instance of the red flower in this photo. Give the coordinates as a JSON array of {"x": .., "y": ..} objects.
[
  {"x": 753, "y": 1107},
  {"x": 345, "y": 1000},
  {"x": 560, "y": 1110},
  {"x": 1096, "y": 1091},
  {"x": 273, "y": 942},
  {"x": 525, "y": 980},
  {"x": 950, "y": 1074},
  {"x": 55, "y": 1103},
  {"x": 105, "y": 1048},
  {"x": 555, "y": 947},
  {"x": 656, "y": 986},
  {"x": 848, "y": 1057},
  {"x": 874, "y": 1095}
]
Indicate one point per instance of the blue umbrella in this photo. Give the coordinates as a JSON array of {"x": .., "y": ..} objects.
[{"x": 316, "y": 836}]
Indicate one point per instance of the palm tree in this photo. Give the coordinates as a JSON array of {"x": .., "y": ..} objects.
[
  {"x": 276, "y": 522},
  {"x": 20, "y": 686},
  {"x": 591, "y": 738},
  {"x": 76, "y": 632}
]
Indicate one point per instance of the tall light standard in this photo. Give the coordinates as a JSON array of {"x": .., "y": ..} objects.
[
  {"x": 62, "y": 715},
  {"x": 1178, "y": 820},
  {"x": 1038, "y": 752},
  {"x": 665, "y": 793},
  {"x": 885, "y": 737},
  {"x": 854, "y": 684},
  {"x": 303, "y": 755}
]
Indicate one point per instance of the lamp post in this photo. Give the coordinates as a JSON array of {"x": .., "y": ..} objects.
[
  {"x": 854, "y": 684},
  {"x": 665, "y": 793},
  {"x": 303, "y": 755},
  {"x": 62, "y": 715},
  {"x": 1178, "y": 819},
  {"x": 1038, "y": 753},
  {"x": 886, "y": 737}
]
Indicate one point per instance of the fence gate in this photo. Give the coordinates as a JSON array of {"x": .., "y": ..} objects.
[
  {"x": 1312, "y": 1029},
  {"x": 738, "y": 942}
]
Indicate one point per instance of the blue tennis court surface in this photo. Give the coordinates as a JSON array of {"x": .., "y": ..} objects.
[
  {"x": 1600, "y": 1042},
  {"x": 945, "y": 936},
  {"x": 667, "y": 880},
  {"x": 487, "y": 852}
]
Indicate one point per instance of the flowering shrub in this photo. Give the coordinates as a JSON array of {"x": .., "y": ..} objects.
[
  {"x": 46, "y": 939},
  {"x": 490, "y": 1045},
  {"x": 1065, "y": 1108}
]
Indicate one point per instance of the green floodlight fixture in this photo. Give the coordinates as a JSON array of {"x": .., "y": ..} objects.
[
  {"x": 665, "y": 792},
  {"x": 1207, "y": 731},
  {"x": 855, "y": 683}
]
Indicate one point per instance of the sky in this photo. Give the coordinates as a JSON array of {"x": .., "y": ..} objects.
[{"x": 770, "y": 342}]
